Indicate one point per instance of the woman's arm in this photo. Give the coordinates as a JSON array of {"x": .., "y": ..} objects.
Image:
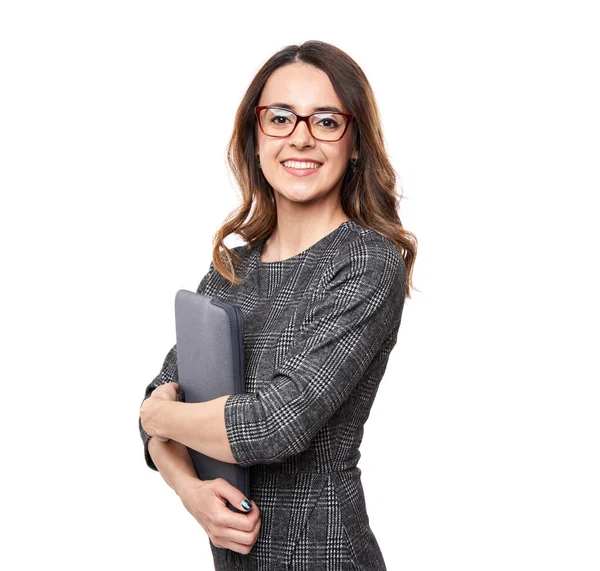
[
  {"x": 174, "y": 463},
  {"x": 357, "y": 306},
  {"x": 200, "y": 426}
]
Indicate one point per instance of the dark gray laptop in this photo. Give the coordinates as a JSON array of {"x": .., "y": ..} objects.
[{"x": 210, "y": 364}]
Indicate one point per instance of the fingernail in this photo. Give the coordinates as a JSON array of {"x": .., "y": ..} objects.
[{"x": 246, "y": 505}]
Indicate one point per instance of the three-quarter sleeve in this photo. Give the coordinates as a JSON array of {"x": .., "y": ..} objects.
[
  {"x": 167, "y": 374},
  {"x": 358, "y": 304}
]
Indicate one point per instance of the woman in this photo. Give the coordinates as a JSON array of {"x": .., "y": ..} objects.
[{"x": 321, "y": 282}]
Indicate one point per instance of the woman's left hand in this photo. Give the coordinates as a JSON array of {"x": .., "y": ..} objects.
[{"x": 151, "y": 406}]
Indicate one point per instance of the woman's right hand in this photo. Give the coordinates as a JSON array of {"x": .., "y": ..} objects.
[{"x": 207, "y": 500}]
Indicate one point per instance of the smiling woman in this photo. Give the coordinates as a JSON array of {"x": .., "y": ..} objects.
[{"x": 321, "y": 281}]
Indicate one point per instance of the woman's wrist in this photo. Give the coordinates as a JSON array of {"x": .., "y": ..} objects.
[
  {"x": 185, "y": 482},
  {"x": 186, "y": 477},
  {"x": 174, "y": 464}
]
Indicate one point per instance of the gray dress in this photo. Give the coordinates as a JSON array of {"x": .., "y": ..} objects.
[{"x": 319, "y": 328}]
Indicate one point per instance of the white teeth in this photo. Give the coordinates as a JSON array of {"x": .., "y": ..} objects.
[{"x": 297, "y": 165}]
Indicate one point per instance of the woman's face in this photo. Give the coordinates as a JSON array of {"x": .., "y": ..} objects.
[{"x": 303, "y": 87}]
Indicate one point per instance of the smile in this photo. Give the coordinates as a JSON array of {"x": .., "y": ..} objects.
[{"x": 300, "y": 171}]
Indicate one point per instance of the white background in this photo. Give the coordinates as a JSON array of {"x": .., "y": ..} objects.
[{"x": 482, "y": 448}]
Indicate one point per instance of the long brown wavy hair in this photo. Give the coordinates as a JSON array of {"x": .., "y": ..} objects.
[{"x": 368, "y": 194}]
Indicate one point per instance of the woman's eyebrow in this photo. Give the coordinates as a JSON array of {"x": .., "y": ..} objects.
[{"x": 322, "y": 108}]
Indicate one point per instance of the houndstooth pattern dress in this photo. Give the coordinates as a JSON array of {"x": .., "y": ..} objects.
[{"x": 319, "y": 328}]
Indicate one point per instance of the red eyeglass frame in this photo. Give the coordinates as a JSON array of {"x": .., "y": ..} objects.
[{"x": 348, "y": 116}]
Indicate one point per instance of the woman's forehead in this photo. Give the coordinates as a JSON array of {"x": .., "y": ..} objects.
[{"x": 304, "y": 88}]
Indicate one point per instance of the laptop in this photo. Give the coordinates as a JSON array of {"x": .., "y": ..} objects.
[{"x": 210, "y": 364}]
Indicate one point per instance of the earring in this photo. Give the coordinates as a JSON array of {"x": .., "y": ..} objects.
[
  {"x": 259, "y": 166},
  {"x": 353, "y": 165}
]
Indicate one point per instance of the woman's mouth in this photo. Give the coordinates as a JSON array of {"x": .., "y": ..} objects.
[{"x": 301, "y": 169}]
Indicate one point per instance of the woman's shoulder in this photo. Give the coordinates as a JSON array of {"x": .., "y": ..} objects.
[
  {"x": 364, "y": 244},
  {"x": 242, "y": 250}
]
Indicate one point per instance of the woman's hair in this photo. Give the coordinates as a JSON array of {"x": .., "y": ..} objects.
[{"x": 368, "y": 194}]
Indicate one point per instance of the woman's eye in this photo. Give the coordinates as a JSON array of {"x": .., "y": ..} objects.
[{"x": 332, "y": 123}]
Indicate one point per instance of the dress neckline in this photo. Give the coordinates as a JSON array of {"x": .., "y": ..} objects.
[{"x": 301, "y": 255}]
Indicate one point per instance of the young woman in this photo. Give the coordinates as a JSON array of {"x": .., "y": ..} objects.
[{"x": 321, "y": 282}]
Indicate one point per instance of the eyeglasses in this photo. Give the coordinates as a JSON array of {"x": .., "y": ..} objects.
[{"x": 322, "y": 126}]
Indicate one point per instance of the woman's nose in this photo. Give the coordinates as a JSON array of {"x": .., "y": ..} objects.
[{"x": 301, "y": 134}]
